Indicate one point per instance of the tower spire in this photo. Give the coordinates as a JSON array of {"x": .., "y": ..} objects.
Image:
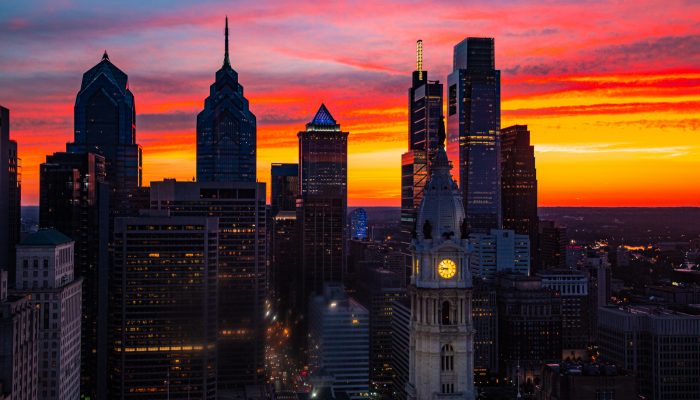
[
  {"x": 419, "y": 59},
  {"x": 226, "y": 59}
]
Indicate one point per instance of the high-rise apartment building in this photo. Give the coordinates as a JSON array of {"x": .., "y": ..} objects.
[
  {"x": 425, "y": 121},
  {"x": 10, "y": 195},
  {"x": 551, "y": 250},
  {"x": 45, "y": 273},
  {"x": 339, "y": 342},
  {"x": 498, "y": 251},
  {"x": 242, "y": 272},
  {"x": 659, "y": 345},
  {"x": 473, "y": 124},
  {"x": 441, "y": 348},
  {"x": 19, "y": 359},
  {"x": 322, "y": 210},
  {"x": 105, "y": 123},
  {"x": 519, "y": 184},
  {"x": 163, "y": 309},
  {"x": 226, "y": 130},
  {"x": 74, "y": 199}
]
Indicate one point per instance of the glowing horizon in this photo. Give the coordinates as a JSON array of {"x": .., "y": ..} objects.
[{"x": 611, "y": 93}]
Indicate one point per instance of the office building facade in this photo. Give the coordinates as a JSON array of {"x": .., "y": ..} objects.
[
  {"x": 242, "y": 272},
  {"x": 10, "y": 194},
  {"x": 358, "y": 224},
  {"x": 425, "y": 120},
  {"x": 498, "y": 251},
  {"x": 473, "y": 124},
  {"x": 519, "y": 184},
  {"x": 485, "y": 319},
  {"x": 163, "y": 309},
  {"x": 572, "y": 286},
  {"x": 339, "y": 342},
  {"x": 226, "y": 130},
  {"x": 19, "y": 349},
  {"x": 284, "y": 187},
  {"x": 322, "y": 210},
  {"x": 659, "y": 345},
  {"x": 45, "y": 273}
]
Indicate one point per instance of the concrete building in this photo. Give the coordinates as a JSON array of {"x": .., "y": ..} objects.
[
  {"x": 339, "y": 343},
  {"x": 400, "y": 340},
  {"x": 499, "y": 251},
  {"x": 10, "y": 194},
  {"x": 19, "y": 358},
  {"x": 242, "y": 267},
  {"x": 485, "y": 318},
  {"x": 572, "y": 285},
  {"x": 441, "y": 349},
  {"x": 163, "y": 310},
  {"x": 585, "y": 381},
  {"x": 659, "y": 345},
  {"x": 45, "y": 272}
]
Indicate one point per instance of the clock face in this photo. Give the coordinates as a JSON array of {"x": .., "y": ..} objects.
[{"x": 447, "y": 268}]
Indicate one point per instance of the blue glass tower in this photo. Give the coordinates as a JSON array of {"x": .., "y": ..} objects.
[
  {"x": 473, "y": 125},
  {"x": 226, "y": 130},
  {"x": 358, "y": 224}
]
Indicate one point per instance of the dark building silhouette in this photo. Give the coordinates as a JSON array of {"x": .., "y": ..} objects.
[
  {"x": 105, "y": 123},
  {"x": 583, "y": 381},
  {"x": 242, "y": 270},
  {"x": 572, "y": 286},
  {"x": 74, "y": 199},
  {"x": 473, "y": 123},
  {"x": 226, "y": 130},
  {"x": 285, "y": 276},
  {"x": 485, "y": 318},
  {"x": 552, "y": 239},
  {"x": 163, "y": 292},
  {"x": 529, "y": 326},
  {"x": 322, "y": 210},
  {"x": 400, "y": 341},
  {"x": 519, "y": 185},
  {"x": 424, "y": 121},
  {"x": 284, "y": 187},
  {"x": 10, "y": 195}
]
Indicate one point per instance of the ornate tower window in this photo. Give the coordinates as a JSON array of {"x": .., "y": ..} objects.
[{"x": 447, "y": 357}]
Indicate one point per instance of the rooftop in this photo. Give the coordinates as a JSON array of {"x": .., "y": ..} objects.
[{"x": 46, "y": 237}]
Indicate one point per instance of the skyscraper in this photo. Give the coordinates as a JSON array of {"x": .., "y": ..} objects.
[
  {"x": 499, "y": 250},
  {"x": 322, "y": 211},
  {"x": 105, "y": 123},
  {"x": 424, "y": 124},
  {"x": 473, "y": 124},
  {"x": 45, "y": 273},
  {"x": 242, "y": 271},
  {"x": 519, "y": 184},
  {"x": 284, "y": 187},
  {"x": 163, "y": 291},
  {"x": 226, "y": 130},
  {"x": 10, "y": 194},
  {"x": 74, "y": 199},
  {"x": 441, "y": 346}
]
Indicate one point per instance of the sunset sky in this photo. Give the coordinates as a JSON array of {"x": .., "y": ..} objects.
[{"x": 609, "y": 90}]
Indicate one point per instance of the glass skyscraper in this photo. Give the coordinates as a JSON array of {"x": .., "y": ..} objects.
[
  {"x": 473, "y": 124},
  {"x": 323, "y": 177},
  {"x": 105, "y": 123},
  {"x": 226, "y": 130}
]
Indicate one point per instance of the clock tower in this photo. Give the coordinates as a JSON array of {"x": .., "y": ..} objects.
[{"x": 441, "y": 364}]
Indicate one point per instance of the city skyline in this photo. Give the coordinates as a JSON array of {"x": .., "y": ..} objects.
[{"x": 611, "y": 106}]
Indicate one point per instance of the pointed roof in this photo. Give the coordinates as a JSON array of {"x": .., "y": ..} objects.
[
  {"x": 105, "y": 56},
  {"x": 226, "y": 58},
  {"x": 323, "y": 117}
]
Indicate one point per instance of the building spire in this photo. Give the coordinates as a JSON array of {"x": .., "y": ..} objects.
[
  {"x": 105, "y": 56},
  {"x": 419, "y": 59},
  {"x": 226, "y": 59}
]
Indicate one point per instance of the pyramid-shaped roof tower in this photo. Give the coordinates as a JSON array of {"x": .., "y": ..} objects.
[{"x": 323, "y": 117}]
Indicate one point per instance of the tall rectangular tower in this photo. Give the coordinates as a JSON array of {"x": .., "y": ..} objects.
[
  {"x": 45, "y": 273},
  {"x": 226, "y": 130},
  {"x": 473, "y": 124},
  {"x": 10, "y": 195},
  {"x": 519, "y": 184},
  {"x": 242, "y": 272},
  {"x": 284, "y": 187},
  {"x": 322, "y": 211},
  {"x": 163, "y": 289},
  {"x": 424, "y": 121}
]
